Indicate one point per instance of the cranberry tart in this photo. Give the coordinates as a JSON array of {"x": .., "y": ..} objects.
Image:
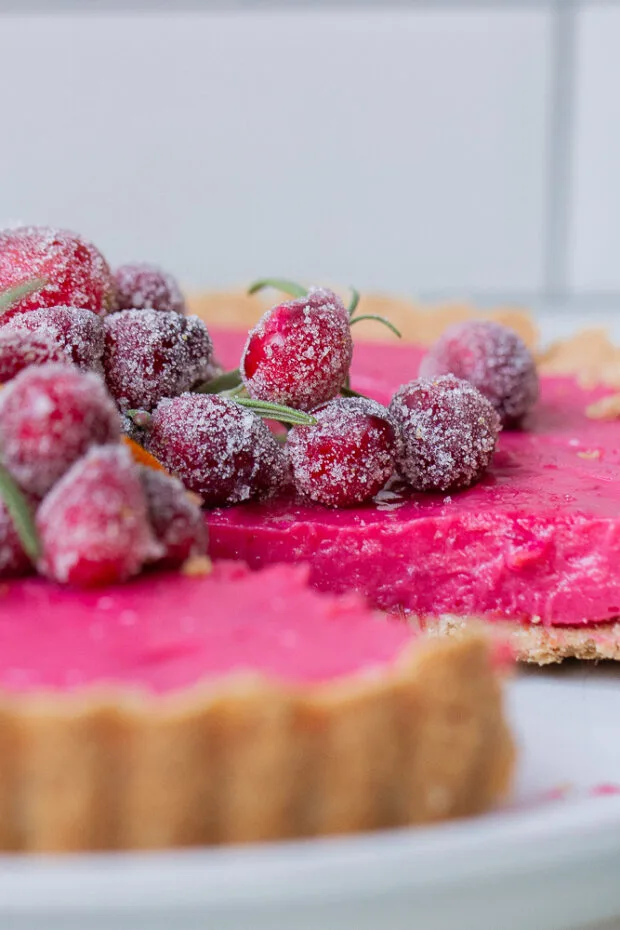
[
  {"x": 530, "y": 545},
  {"x": 150, "y": 699}
]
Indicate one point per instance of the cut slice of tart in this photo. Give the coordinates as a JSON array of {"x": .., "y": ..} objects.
[
  {"x": 233, "y": 706},
  {"x": 534, "y": 548}
]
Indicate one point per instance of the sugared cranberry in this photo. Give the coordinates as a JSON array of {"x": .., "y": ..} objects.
[
  {"x": 13, "y": 559},
  {"x": 141, "y": 286},
  {"x": 219, "y": 450},
  {"x": 348, "y": 456},
  {"x": 299, "y": 353},
  {"x": 176, "y": 520},
  {"x": 76, "y": 272},
  {"x": 494, "y": 359},
  {"x": 274, "y": 475},
  {"x": 19, "y": 350},
  {"x": 93, "y": 525},
  {"x": 49, "y": 417},
  {"x": 449, "y": 431},
  {"x": 151, "y": 354},
  {"x": 215, "y": 370},
  {"x": 79, "y": 332}
]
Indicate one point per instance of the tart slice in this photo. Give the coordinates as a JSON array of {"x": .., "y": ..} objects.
[
  {"x": 230, "y": 707},
  {"x": 532, "y": 549}
]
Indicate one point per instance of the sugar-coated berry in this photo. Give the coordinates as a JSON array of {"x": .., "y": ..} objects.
[
  {"x": 76, "y": 272},
  {"x": 494, "y": 359},
  {"x": 299, "y": 353},
  {"x": 13, "y": 559},
  {"x": 79, "y": 332},
  {"x": 219, "y": 450},
  {"x": 141, "y": 286},
  {"x": 49, "y": 417},
  {"x": 93, "y": 525},
  {"x": 448, "y": 431},
  {"x": 176, "y": 519},
  {"x": 150, "y": 354},
  {"x": 214, "y": 370},
  {"x": 274, "y": 475},
  {"x": 19, "y": 350},
  {"x": 348, "y": 456}
]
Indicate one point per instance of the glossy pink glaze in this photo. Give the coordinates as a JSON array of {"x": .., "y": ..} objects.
[
  {"x": 166, "y": 632},
  {"x": 538, "y": 538}
]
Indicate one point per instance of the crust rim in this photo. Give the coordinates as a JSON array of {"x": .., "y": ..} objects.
[
  {"x": 249, "y": 760},
  {"x": 537, "y": 644}
]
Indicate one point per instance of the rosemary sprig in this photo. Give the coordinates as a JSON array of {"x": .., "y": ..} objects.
[
  {"x": 20, "y": 513},
  {"x": 279, "y": 284},
  {"x": 276, "y": 411},
  {"x": 379, "y": 319},
  {"x": 13, "y": 294},
  {"x": 224, "y": 382}
]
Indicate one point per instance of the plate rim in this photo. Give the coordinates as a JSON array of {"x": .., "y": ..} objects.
[{"x": 504, "y": 844}]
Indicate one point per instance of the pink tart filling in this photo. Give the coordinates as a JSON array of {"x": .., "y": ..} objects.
[
  {"x": 167, "y": 632},
  {"x": 537, "y": 539}
]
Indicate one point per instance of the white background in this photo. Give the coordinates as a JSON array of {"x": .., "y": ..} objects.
[{"x": 467, "y": 148}]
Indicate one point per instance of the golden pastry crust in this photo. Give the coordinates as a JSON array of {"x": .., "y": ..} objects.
[
  {"x": 590, "y": 356},
  {"x": 251, "y": 760},
  {"x": 537, "y": 644}
]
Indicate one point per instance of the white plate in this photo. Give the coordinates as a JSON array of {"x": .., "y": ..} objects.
[{"x": 551, "y": 861}]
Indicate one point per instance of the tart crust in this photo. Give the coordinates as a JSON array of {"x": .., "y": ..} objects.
[
  {"x": 540, "y": 645},
  {"x": 590, "y": 356},
  {"x": 249, "y": 760}
]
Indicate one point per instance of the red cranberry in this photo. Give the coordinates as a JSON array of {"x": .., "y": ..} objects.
[
  {"x": 93, "y": 525},
  {"x": 273, "y": 475},
  {"x": 176, "y": 520},
  {"x": 299, "y": 353},
  {"x": 79, "y": 332},
  {"x": 491, "y": 357},
  {"x": 214, "y": 370},
  {"x": 13, "y": 559},
  {"x": 152, "y": 354},
  {"x": 49, "y": 417},
  {"x": 219, "y": 450},
  {"x": 449, "y": 431},
  {"x": 76, "y": 272},
  {"x": 348, "y": 456},
  {"x": 19, "y": 350},
  {"x": 141, "y": 286}
]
